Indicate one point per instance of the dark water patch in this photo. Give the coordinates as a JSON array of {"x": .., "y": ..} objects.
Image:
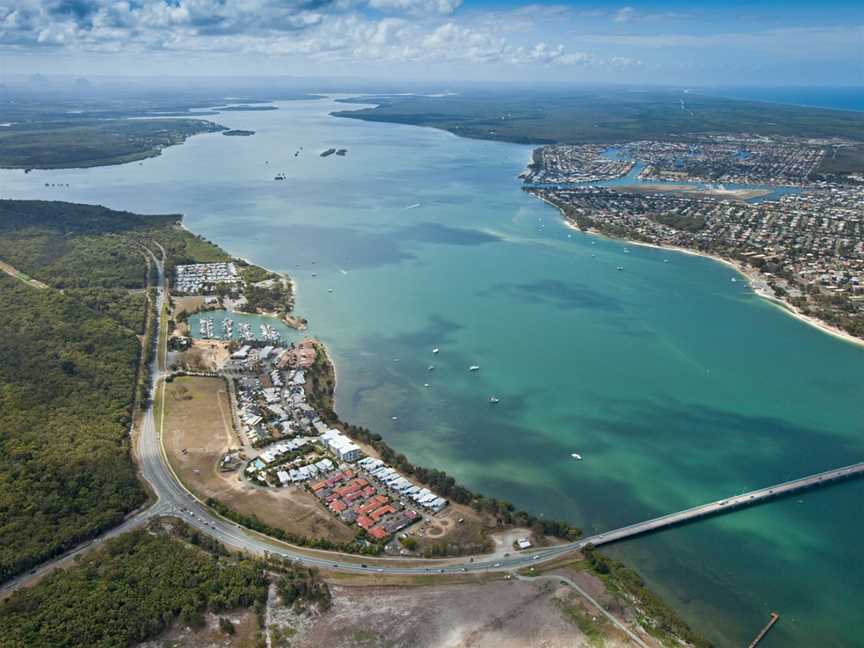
[
  {"x": 437, "y": 332},
  {"x": 740, "y": 449},
  {"x": 557, "y": 293},
  {"x": 353, "y": 248}
]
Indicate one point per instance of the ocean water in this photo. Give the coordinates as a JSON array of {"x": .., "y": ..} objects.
[
  {"x": 837, "y": 98},
  {"x": 677, "y": 385}
]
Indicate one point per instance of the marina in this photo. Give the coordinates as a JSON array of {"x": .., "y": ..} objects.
[{"x": 244, "y": 327}]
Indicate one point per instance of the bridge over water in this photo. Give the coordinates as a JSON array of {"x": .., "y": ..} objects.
[{"x": 728, "y": 504}]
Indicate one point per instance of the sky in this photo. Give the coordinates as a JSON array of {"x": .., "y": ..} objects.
[{"x": 673, "y": 43}]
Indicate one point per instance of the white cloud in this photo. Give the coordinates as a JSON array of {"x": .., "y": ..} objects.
[
  {"x": 417, "y": 7},
  {"x": 625, "y": 14},
  {"x": 352, "y": 31}
]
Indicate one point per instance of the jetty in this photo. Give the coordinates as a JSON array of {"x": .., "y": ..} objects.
[{"x": 768, "y": 626}]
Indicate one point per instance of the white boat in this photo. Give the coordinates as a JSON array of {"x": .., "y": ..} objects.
[
  {"x": 576, "y": 456},
  {"x": 619, "y": 268},
  {"x": 394, "y": 418},
  {"x": 425, "y": 384},
  {"x": 474, "y": 368},
  {"x": 329, "y": 290},
  {"x": 493, "y": 400},
  {"x": 430, "y": 368},
  {"x": 734, "y": 280},
  {"x": 435, "y": 350}
]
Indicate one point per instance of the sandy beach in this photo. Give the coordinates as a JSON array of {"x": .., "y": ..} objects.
[{"x": 754, "y": 279}]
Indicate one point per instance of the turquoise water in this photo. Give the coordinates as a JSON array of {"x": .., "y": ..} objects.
[{"x": 677, "y": 385}]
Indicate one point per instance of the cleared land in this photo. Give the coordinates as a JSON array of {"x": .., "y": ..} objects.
[
  {"x": 17, "y": 274},
  {"x": 198, "y": 421},
  {"x": 203, "y": 355},
  {"x": 502, "y": 614},
  {"x": 471, "y": 535}
]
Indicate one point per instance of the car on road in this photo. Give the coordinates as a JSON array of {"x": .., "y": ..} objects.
[
  {"x": 364, "y": 566},
  {"x": 497, "y": 565}
]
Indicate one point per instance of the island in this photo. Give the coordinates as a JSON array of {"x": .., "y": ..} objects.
[
  {"x": 236, "y": 132},
  {"x": 245, "y": 108}
]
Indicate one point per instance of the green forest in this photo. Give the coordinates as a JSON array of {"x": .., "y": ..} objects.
[
  {"x": 67, "y": 376},
  {"x": 69, "y": 356},
  {"x": 129, "y": 591},
  {"x": 59, "y": 144},
  {"x": 607, "y": 115}
]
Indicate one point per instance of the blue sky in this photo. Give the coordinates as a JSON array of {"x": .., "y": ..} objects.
[{"x": 680, "y": 43}]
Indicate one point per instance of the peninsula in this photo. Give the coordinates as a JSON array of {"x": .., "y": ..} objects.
[{"x": 803, "y": 249}]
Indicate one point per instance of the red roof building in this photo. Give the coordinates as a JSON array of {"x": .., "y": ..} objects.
[{"x": 381, "y": 512}]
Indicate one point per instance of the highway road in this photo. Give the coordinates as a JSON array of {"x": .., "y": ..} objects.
[{"x": 173, "y": 499}]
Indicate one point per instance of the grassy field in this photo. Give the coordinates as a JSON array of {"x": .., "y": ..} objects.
[
  {"x": 604, "y": 115},
  {"x": 77, "y": 144}
]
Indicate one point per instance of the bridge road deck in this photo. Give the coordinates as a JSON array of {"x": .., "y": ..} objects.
[{"x": 719, "y": 506}]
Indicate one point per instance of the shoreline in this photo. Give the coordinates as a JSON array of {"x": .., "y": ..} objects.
[
  {"x": 682, "y": 633},
  {"x": 750, "y": 275},
  {"x": 289, "y": 318}
]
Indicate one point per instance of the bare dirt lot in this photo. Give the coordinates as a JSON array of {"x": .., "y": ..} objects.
[
  {"x": 471, "y": 535},
  {"x": 198, "y": 431},
  {"x": 496, "y": 614},
  {"x": 501, "y": 614},
  {"x": 204, "y": 355},
  {"x": 211, "y": 636}
]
